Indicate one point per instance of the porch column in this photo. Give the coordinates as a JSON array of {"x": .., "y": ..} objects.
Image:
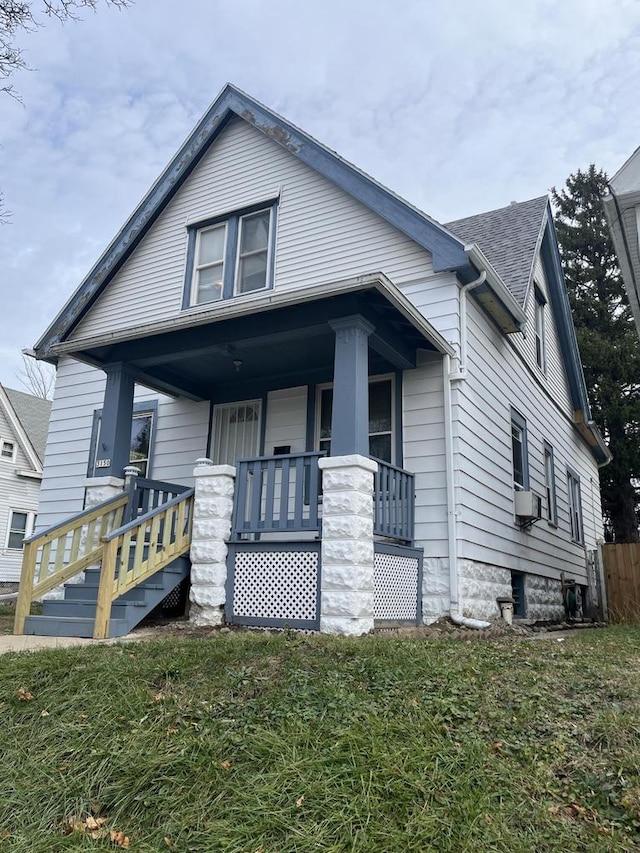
[
  {"x": 350, "y": 415},
  {"x": 212, "y": 511},
  {"x": 346, "y": 579},
  {"x": 112, "y": 452}
]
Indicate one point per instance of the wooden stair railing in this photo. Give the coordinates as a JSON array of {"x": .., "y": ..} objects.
[
  {"x": 139, "y": 549},
  {"x": 57, "y": 554}
]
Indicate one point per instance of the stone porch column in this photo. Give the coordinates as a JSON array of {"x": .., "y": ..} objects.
[
  {"x": 213, "y": 508},
  {"x": 346, "y": 585}
]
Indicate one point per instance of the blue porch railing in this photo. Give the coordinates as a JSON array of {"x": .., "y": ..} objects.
[
  {"x": 393, "y": 503},
  {"x": 146, "y": 495},
  {"x": 276, "y": 494}
]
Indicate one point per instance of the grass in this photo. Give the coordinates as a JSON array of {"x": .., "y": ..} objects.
[
  {"x": 7, "y": 614},
  {"x": 258, "y": 743}
]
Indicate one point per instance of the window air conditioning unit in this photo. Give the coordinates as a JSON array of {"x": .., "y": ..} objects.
[{"x": 528, "y": 506}]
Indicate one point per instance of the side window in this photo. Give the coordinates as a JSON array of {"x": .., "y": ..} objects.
[
  {"x": 21, "y": 524},
  {"x": 540, "y": 307},
  {"x": 519, "y": 450},
  {"x": 8, "y": 451},
  {"x": 143, "y": 426},
  {"x": 550, "y": 484},
  {"x": 575, "y": 507}
]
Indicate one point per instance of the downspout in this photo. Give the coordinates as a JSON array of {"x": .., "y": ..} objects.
[
  {"x": 452, "y": 533},
  {"x": 461, "y": 373}
]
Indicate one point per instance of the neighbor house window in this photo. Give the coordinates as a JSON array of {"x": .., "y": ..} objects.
[
  {"x": 8, "y": 450},
  {"x": 519, "y": 451},
  {"x": 575, "y": 507},
  {"x": 21, "y": 524},
  {"x": 381, "y": 420},
  {"x": 550, "y": 484},
  {"x": 141, "y": 442},
  {"x": 541, "y": 356},
  {"x": 230, "y": 256}
]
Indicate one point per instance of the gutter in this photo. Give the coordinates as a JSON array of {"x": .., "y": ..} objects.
[
  {"x": 452, "y": 509},
  {"x": 498, "y": 287}
]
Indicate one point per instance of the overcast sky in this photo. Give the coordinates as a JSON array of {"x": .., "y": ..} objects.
[{"x": 458, "y": 106}]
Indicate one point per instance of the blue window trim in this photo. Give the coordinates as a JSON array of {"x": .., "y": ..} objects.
[
  {"x": 518, "y": 420},
  {"x": 232, "y": 221},
  {"x": 548, "y": 451},
  {"x": 149, "y": 406},
  {"x": 573, "y": 475}
]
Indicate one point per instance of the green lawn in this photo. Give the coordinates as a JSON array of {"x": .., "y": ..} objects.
[{"x": 257, "y": 743}]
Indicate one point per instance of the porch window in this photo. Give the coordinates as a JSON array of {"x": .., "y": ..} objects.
[
  {"x": 21, "y": 524},
  {"x": 230, "y": 255},
  {"x": 236, "y": 431},
  {"x": 142, "y": 438},
  {"x": 381, "y": 419}
]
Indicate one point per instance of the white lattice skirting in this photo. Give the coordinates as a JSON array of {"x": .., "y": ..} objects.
[
  {"x": 275, "y": 587},
  {"x": 395, "y": 587}
]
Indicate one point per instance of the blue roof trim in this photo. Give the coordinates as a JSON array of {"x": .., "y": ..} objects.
[{"x": 447, "y": 250}]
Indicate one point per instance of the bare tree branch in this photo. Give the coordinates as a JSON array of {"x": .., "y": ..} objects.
[{"x": 37, "y": 377}]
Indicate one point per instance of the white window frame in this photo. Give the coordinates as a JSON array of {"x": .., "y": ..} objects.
[
  {"x": 540, "y": 329},
  {"x": 29, "y": 526},
  {"x": 550, "y": 484},
  {"x": 236, "y": 272},
  {"x": 518, "y": 422},
  {"x": 3, "y": 456},
  {"x": 576, "y": 525},
  {"x": 197, "y": 267},
  {"x": 385, "y": 377}
]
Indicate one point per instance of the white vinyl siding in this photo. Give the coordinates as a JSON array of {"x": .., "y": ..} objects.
[
  {"x": 181, "y": 438},
  {"x": 323, "y": 234},
  {"x": 497, "y": 381},
  {"x": 16, "y": 493}
]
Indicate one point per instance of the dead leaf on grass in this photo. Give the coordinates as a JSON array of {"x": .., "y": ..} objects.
[
  {"x": 45, "y": 714},
  {"x": 226, "y": 765},
  {"x": 118, "y": 838},
  {"x": 168, "y": 842},
  {"x": 24, "y": 694},
  {"x": 299, "y": 801}
]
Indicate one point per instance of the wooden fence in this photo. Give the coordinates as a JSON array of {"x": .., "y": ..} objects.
[{"x": 622, "y": 570}]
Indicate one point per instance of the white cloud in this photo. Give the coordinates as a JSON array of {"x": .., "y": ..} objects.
[{"x": 460, "y": 107}]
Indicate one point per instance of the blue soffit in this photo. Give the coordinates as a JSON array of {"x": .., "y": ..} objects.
[
  {"x": 552, "y": 264},
  {"x": 447, "y": 250}
]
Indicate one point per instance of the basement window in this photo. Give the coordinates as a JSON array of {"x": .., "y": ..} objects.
[{"x": 517, "y": 593}]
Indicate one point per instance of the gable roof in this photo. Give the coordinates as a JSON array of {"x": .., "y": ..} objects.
[
  {"x": 448, "y": 251},
  {"x": 510, "y": 238},
  {"x": 29, "y": 417}
]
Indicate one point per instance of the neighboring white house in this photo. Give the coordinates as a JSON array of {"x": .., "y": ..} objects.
[
  {"x": 268, "y": 301},
  {"x": 23, "y": 435},
  {"x": 622, "y": 206}
]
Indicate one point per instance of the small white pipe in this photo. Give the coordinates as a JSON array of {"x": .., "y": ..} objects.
[
  {"x": 462, "y": 368},
  {"x": 452, "y": 533},
  {"x": 9, "y": 596}
]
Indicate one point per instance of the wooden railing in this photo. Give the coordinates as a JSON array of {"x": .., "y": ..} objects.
[
  {"x": 393, "y": 503},
  {"x": 139, "y": 549},
  {"x": 52, "y": 557},
  {"x": 148, "y": 494},
  {"x": 276, "y": 494}
]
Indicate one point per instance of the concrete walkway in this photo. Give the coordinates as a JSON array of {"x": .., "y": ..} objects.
[{"x": 29, "y": 643}]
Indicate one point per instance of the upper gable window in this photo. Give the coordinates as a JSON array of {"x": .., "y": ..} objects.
[
  {"x": 230, "y": 256},
  {"x": 541, "y": 355},
  {"x": 8, "y": 451}
]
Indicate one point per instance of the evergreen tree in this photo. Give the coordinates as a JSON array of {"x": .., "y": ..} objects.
[{"x": 607, "y": 339}]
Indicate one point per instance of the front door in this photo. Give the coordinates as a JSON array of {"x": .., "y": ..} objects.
[{"x": 236, "y": 431}]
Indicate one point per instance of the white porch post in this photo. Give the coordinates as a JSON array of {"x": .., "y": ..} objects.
[
  {"x": 213, "y": 508},
  {"x": 346, "y": 593}
]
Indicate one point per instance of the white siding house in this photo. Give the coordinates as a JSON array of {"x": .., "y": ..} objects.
[
  {"x": 23, "y": 432},
  {"x": 397, "y": 389}
]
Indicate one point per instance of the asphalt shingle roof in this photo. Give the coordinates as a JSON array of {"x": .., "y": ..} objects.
[
  {"x": 509, "y": 238},
  {"x": 33, "y": 413}
]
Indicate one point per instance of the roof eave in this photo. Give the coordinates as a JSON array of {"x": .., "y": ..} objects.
[
  {"x": 629, "y": 266},
  {"x": 509, "y": 316}
]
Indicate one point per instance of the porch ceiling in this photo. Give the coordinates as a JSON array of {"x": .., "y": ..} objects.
[{"x": 241, "y": 357}]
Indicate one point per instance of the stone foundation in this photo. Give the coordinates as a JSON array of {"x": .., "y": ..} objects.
[
  {"x": 480, "y": 585},
  {"x": 212, "y": 511},
  {"x": 543, "y": 599},
  {"x": 435, "y": 589}
]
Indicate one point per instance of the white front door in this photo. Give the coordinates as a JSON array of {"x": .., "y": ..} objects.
[{"x": 236, "y": 431}]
